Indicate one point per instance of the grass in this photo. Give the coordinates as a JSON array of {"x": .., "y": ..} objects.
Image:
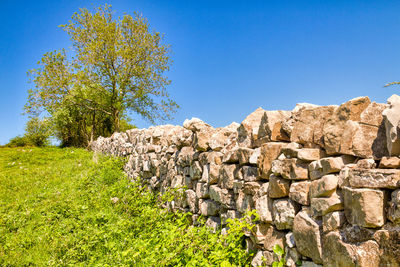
[{"x": 58, "y": 207}]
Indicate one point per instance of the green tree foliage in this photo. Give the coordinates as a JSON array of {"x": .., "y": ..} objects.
[
  {"x": 38, "y": 131},
  {"x": 117, "y": 67}
]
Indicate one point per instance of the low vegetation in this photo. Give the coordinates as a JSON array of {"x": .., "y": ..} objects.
[{"x": 58, "y": 207}]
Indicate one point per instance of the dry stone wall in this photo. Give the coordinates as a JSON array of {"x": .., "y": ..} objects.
[{"x": 325, "y": 180}]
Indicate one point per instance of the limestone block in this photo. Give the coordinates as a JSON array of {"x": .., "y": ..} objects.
[
  {"x": 323, "y": 205},
  {"x": 364, "y": 207},
  {"x": 339, "y": 253},
  {"x": 253, "y": 160},
  {"x": 310, "y": 154},
  {"x": 202, "y": 139},
  {"x": 222, "y": 196},
  {"x": 264, "y": 208},
  {"x": 208, "y": 207},
  {"x": 324, "y": 187},
  {"x": 195, "y": 125},
  {"x": 373, "y": 178},
  {"x": 244, "y": 202},
  {"x": 263, "y": 258},
  {"x": 251, "y": 188},
  {"x": 227, "y": 175},
  {"x": 389, "y": 243},
  {"x": 394, "y": 207},
  {"x": 283, "y": 213},
  {"x": 307, "y": 236},
  {"x": 244, "y": 155},
  {"x": 270, "y": 122},
  {"x": 273, "y": 237},
  {"x": 315, "y": 170},
  {"x": 335, "y": 164},
  {"x": 278, "y": 187},
  {"x": 308, "y": 126},
  {"x": 248, "y": 129},
  {"x": 202, "y": 190},
  {"x": 333, "y": 221},
  {"x": 191, "y": 200},
  {"x": 214, "y": 223},
  {"x": 299, "y": 192},
  {"x": 293, "y": 169},
  {"x": 213, "y": 173},
  {"x": 269, "y": 152},
  {"x": 366, "y": 164},
  {"x": 389, "y": 163},
  {"x": 391, "y": 118},
  {"x": 249, "y": 173},
  {"x": 195, "y": 170}
]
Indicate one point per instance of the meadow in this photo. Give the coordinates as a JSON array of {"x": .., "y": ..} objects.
[{"x": 61, "y": 207}]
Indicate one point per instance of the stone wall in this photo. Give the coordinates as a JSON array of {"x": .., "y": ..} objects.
[{"x": 324, "y": 179}]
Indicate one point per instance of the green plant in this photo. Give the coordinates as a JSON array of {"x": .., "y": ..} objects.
[
  {"x": 18, "y": 141},
  {"x": 280, "y": 253}
]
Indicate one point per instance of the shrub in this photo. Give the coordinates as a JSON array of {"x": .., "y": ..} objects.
[{"x": 18, "y": 141}]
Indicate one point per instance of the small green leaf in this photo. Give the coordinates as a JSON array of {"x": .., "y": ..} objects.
[
  {"x": 225, "y": 264},
  {"x": 278, "y": 250}
]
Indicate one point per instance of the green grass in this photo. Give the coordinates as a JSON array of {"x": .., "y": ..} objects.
[{"x": 56, "y": 209}]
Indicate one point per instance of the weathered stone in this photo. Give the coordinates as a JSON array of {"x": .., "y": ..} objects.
[
  {"x": 299, "y": 192},
  {"x": 309, "y": 264},
  {"x": 214, "y": 223},
  {"x": 293, "y": 169},
  {"x": 364, "y": 207},
  {"x": 389, "y": 163},
  {"x": 269, "y": 152},
  {"x": 391, "y": 118},
  {"x": 254, "y": 156},
  {"x": 264, "y": 208},
  {"x": 208, "y": 207},
  {"x": 366, "y": 164},
  {"x": 221, "y": 136},
  {"x": 339, "y": 253},
  {"x": 245, "y": 202},
  {"x": 191, "y": 200},
  {"x": 278, "y": 133},
  {"x": 278, "y": 187},
  {"x": 307, "y": 236},
  {"x": 263, "y": 258},
  {"x": 273, "y": 237},
  {"x": 322, "y": 206},
  {"x": 308, "y": 127},
  {"x": 269, "y": 122},
  {"x": 244, "y": 155},
  {"x": 373, "y": 178},
  {"x": 289, "y": 238},
  {"x": 394, "y": 207},
  {"x": 248, "y": 129},
  {"x": 335, "y": 164},
  {"x": 283, "y": 212},
  {"x": 389, "y": 243},
  {"x": 310, "y": 154},
  {"x": 336, "y": 124},
  {"x": 202, "y": 190},
  {"x": 249, "y": 173},
  {"x": 315, "y": 170},
  {"x": 202, "y": 139},
  {"x": 324, "y": 187},
  {"x": 195, "y": 170},
  {"x": 222, "y": 196},
  {"x": 333, "y": 221},
  {"x": 292, "y": 257},
  {"x": 227, "y": 175},
  {"x": 195, "y": 125},
  {"x": 251, "y": 188},
  {"x": 231, "y": 156},
  {"x": 213, "y": 173}
]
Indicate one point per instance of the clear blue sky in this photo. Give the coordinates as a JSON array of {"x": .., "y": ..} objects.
[{"x": 230, "y": 57}]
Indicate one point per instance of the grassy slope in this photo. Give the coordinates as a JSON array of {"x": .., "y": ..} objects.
[{"x": 56, "y": 209}]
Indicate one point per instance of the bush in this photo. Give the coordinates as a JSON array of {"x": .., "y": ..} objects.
[{"x": 18, "y": 141}]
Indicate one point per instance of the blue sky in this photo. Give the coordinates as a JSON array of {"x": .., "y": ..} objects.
[{"x": 230, "y": 57}]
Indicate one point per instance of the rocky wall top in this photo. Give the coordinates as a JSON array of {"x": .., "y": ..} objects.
[{"x": 324, "y": 179}]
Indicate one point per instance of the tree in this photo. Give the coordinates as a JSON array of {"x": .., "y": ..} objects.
[
  {"x": 117, "y": 67},
  {"x": 37, "y": 132}
]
